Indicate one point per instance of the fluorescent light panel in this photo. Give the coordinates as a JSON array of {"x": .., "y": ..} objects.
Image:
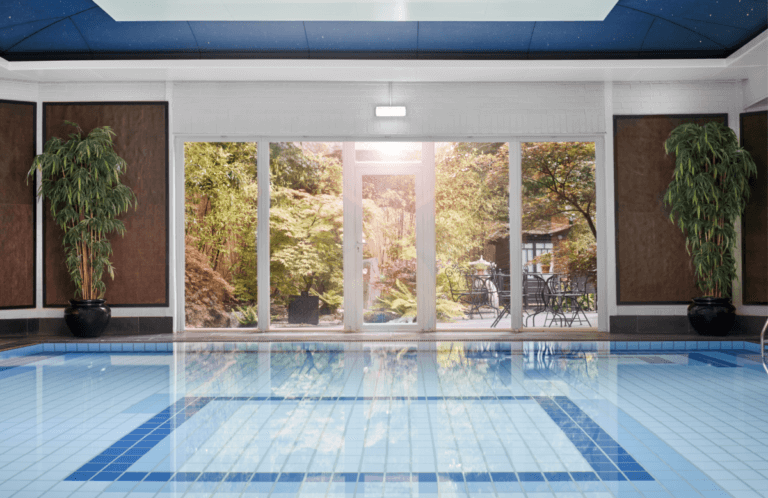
[
  {"x": 390, "y": 111},
  {"x": 357, "y": 10}
]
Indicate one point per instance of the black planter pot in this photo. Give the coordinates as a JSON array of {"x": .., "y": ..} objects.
[
  {"x": 304, "y": 309},
  {"x": 713, "y": 316},
  {"x": 87, "y": 318}
]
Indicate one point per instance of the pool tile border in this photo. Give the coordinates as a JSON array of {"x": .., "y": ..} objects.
[
  {"x": 609, "y": 460},
  {"x": 615, "y": 347}
]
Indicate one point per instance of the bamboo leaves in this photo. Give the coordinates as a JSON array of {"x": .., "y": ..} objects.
[
  {"x": 80, "y": 178},
  {"x": 707, "y": 194}
]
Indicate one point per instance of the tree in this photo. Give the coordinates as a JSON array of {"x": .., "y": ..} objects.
[
  {"x": 221, "y": 203},
  {"x": 471, "y": 197},
  {"x": 306, "y": 221},
  {"x": 558, "y": 179}
]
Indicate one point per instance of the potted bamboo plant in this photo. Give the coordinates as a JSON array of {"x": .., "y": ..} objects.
[
  {"x": 80, "y": 177},
  {"x": 707, "y": 194}
]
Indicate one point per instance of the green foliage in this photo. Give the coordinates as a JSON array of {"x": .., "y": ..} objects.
[
  {"x": 306, "y": 244},
  {"x": 250, "y": 315},
  {"x": 558, "y": 180},
  {"x": 306, "y": 224},
  {"x": 471, "y": 198},
  {"x": 221, "y": 198},
  {"x": 295, "y": 167},
  {"x": 400, "y": 299},
  {"x": 332, "y": 300},
  {"x": 707, "y": 194},
  {"x": 81, "y": 179},
  {"x": 577, "y": 255}
]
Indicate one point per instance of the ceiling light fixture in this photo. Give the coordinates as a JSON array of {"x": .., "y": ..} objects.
[
  {"x": 390, "y": 111},
  {"x": 357, "y": 10}
]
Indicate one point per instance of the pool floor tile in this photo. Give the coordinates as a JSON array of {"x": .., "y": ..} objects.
[{"x": 552, "y": 419}]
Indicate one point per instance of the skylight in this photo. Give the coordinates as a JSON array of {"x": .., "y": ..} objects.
[{"x": 357, "y": 10}]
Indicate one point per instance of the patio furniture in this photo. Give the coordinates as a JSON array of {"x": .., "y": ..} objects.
[
  {"x": 476, "y": 292},
  {"x": 586, "y": 284},
  {"x": 503, "y": 292},
  {"x": 562, "y": 296},
  {"x": 534, "y": 302}
]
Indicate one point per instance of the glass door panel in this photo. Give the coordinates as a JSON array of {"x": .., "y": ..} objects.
[
  {"x": 559, "y": 235},
  {"x": 389, "y": 248}
]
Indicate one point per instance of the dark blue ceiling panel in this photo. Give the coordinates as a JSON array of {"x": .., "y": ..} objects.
[
  {"x": 103, "y": 34},
  {"x": 13, "y": 35},
  {"x": 747, "y": 15},
  {"x": 245, "y": 37},
  {"x": 490, "y": 37},
  {"x": 79, "y": 29},
  {"x": 724, "y": 35},
  {"x": 669, "y": 9},
  {"x": 664, "y": 34},
  {"x": 21, "y": 11},
  {"x": 355, "y": 37},
  {"x": 622, "y": 31},
  {"x": 61, "y": 36}
]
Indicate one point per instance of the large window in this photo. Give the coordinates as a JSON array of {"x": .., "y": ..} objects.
[
  {"x": 559, "y": 234},
  {"x": 306, "y": 235},
  {"x": 221, "y": 193},
  {"x": 390, "y": 235}
]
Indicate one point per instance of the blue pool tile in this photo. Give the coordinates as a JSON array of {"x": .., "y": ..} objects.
[
  {"x": 557, "y": 476},
  {"x": 584, "y": 476},
  {"x": 81, "y": 476},
  {"x": 477, "y": 477},
  {"x": 530, "y": 476},
  {"x": 159, "y": 476},
  {"x": 133, "y": 476},
  {"x": 186, "y": 476},
  {"x": 238, "y": 477},
  {"x": 504, "y": 477},
  {"x": 291, "y": 477},
  {"x": 451, "y": 477}
]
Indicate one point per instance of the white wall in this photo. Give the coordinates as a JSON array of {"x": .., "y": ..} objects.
[
  {"x": 101, "y": 91},
  {"x": 18, "y": 90},
  {"x": 461, "y": 110},
  {"x": 347, "y": 109}
]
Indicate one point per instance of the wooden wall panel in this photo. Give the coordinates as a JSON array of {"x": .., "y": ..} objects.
[
  {"x": 652, "y": 265},
  {"x": 140, "y": 257},
  {"x": 17, "y": 204},
  {"x": 754, "y": 138}
]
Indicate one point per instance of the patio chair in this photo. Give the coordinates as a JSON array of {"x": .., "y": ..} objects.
[
  {"x": 562, "y": 295},
  {"x": 534, "y": 302},
  {"x": 584, "y": 286},
  {"x": 503, "y": 292},
  {"x": 472, "y": 295}
]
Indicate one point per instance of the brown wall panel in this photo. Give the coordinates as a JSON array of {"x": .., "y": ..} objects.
[
  {"x": 17, "y": 205},
  {"x": 652, "y": 264},
  {"x": 754, "y": 138},
  {"x": 140, "y": 257}
]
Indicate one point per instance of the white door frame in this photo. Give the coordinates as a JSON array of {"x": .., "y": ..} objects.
[
  {"x": 423, "y": 172},
  {"x": 604, "y": 186}
]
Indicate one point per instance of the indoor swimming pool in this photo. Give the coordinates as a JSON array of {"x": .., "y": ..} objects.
[{"x": 362, "y": 419}]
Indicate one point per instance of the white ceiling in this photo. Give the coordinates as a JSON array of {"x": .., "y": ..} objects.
[
  {"x": 751, "y": 61},
  {"x": 357, "y": 10}
]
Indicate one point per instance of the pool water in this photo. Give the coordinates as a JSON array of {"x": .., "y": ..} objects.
[{"x": 422, "y": 419}]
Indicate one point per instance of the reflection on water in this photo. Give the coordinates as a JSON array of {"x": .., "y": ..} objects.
[
  {"x": 229, "y": 419},
  {"x": 575, "y": 363},
  {"x": 457, "y": 368}
]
